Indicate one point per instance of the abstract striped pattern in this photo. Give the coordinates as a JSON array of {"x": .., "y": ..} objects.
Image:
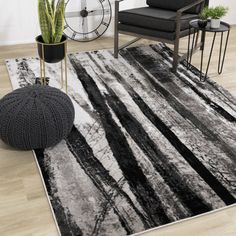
[{"x": 148, "y": 147}]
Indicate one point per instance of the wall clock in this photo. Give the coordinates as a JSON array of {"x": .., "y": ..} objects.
[{"x": 86, "y": 20}]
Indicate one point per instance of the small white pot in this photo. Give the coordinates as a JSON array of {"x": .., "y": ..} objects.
[{"x": 215, "y": 23}]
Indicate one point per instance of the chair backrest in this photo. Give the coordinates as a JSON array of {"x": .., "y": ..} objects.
[{"x": 174, "y": 5}]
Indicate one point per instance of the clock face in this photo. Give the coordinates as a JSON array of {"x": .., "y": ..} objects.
[{"x": 86, "y": 20}]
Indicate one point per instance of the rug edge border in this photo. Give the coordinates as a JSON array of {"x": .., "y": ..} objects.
[
  {"x": 183, "y": 220},
  {"x": 135, "y": 234},
  {"x": 46, "y": 193}
]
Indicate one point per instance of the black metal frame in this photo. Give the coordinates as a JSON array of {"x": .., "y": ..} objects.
[
  {"x": 176, "y": 57},
  {"x": 221, "y": 58},
  {"x": 85, "y": 39}
]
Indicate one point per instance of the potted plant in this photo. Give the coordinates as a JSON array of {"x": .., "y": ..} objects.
[
  {"x": 51, "y": 42},
  {"x": 216, "y": 13},
  {"x": 203, "y": 17}
]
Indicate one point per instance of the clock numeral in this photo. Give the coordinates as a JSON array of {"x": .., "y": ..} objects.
[
  {"x": 104, "y": 23},
  {"x": 73, "y": 35},
  {"x": 96, "y": 32},
  {"x": 102, "y": 1},
  {"x": 106, "y": 11},
  {"x": 85, "y": 38}
]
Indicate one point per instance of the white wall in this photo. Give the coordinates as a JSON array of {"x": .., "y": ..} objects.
[
  {"x": 19, "y": 22},
  {"x": 231, "y": 16}
]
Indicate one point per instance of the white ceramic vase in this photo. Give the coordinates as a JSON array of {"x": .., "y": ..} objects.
[{"x": 215, "y": 23}]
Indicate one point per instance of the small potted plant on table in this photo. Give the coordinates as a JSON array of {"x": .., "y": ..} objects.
[
  {"x": 216, "y": 13},
  {"x": 203, "y": 17},
  {"x": 51, "y": 42}
]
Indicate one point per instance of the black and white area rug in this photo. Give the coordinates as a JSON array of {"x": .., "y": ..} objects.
[{"x": 148, "y": 147}]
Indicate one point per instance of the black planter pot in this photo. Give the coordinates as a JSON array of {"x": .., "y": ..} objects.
[
  {"x": 53, "y": 53},
  {"x": 202, "y": 23}
]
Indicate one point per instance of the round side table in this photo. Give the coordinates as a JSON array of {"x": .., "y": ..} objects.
[{"x": 194, "y": 29}]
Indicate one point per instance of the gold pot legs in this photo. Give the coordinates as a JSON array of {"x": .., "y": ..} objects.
[{"x": 63, "y": 69}]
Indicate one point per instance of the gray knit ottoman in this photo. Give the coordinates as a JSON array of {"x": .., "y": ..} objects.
[{"x": 35, "y": 117}]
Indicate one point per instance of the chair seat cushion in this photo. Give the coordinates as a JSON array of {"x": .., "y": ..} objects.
[
  {"x": 154, "y": 18},
  {"x": 151, "y": 32},
  {"x": 174, "y": 5}
]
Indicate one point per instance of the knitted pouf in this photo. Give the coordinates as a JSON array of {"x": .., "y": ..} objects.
[{"x": 35, "y": 117}]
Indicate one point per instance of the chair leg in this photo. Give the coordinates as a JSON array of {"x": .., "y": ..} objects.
[
  {"x": 116, "y": 44},
  {"x": 175, "y": 56},
  {"x": 116, "y": 32}
]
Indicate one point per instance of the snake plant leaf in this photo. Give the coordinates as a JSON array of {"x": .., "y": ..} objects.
[
  {"x": 59, "y": 26},
  {"x": 61, "y": 6},
  {"x": 53, "y": 5},
  {"x": 51, "y": 26},
  {"x": 49, "y": 8},
  {"x": 51, "y": 18},
  {"x": 44, "y": 26}
]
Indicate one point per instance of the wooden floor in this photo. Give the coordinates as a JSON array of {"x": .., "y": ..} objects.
[{"x": 24, "y": 209}]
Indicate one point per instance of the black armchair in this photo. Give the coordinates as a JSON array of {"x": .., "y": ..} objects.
[{"x": 163, "y": 20}]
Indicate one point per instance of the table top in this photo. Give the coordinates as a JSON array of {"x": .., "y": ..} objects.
[{"x": 223, "y": 26}]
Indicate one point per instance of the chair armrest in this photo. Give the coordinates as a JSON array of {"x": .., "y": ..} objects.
[
  {"x": 117, "y": 3},
  {"x": 117, "y": 7},
  {"x": 179, "y": 14},
  {"x": 183, "y": 9}
]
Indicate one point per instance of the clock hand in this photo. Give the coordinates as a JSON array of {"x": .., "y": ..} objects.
[
  {"x": 83, "y": 4},
  {"x": 85, "y": 27},
  {"x": 98, "y": 12},
  {"x": 72, "y": 14},
  {"x": 76, "y": 13}
]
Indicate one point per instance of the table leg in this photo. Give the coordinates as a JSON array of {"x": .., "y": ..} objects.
[
  {"x": 203, "y": 78},
  {"x": 190, "y": 51},
  {"x": 66, "y": 76},
  {"x": 62, "y": 79},
  {"x": 41, "y": 71},
  {"x": 44, "y": 66},
  {"x": 221, "y": 60},
  {"x": 202, "y": 53},
  {"x": 203, "y": 36},
  {"x": 196, "y": 41}
]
